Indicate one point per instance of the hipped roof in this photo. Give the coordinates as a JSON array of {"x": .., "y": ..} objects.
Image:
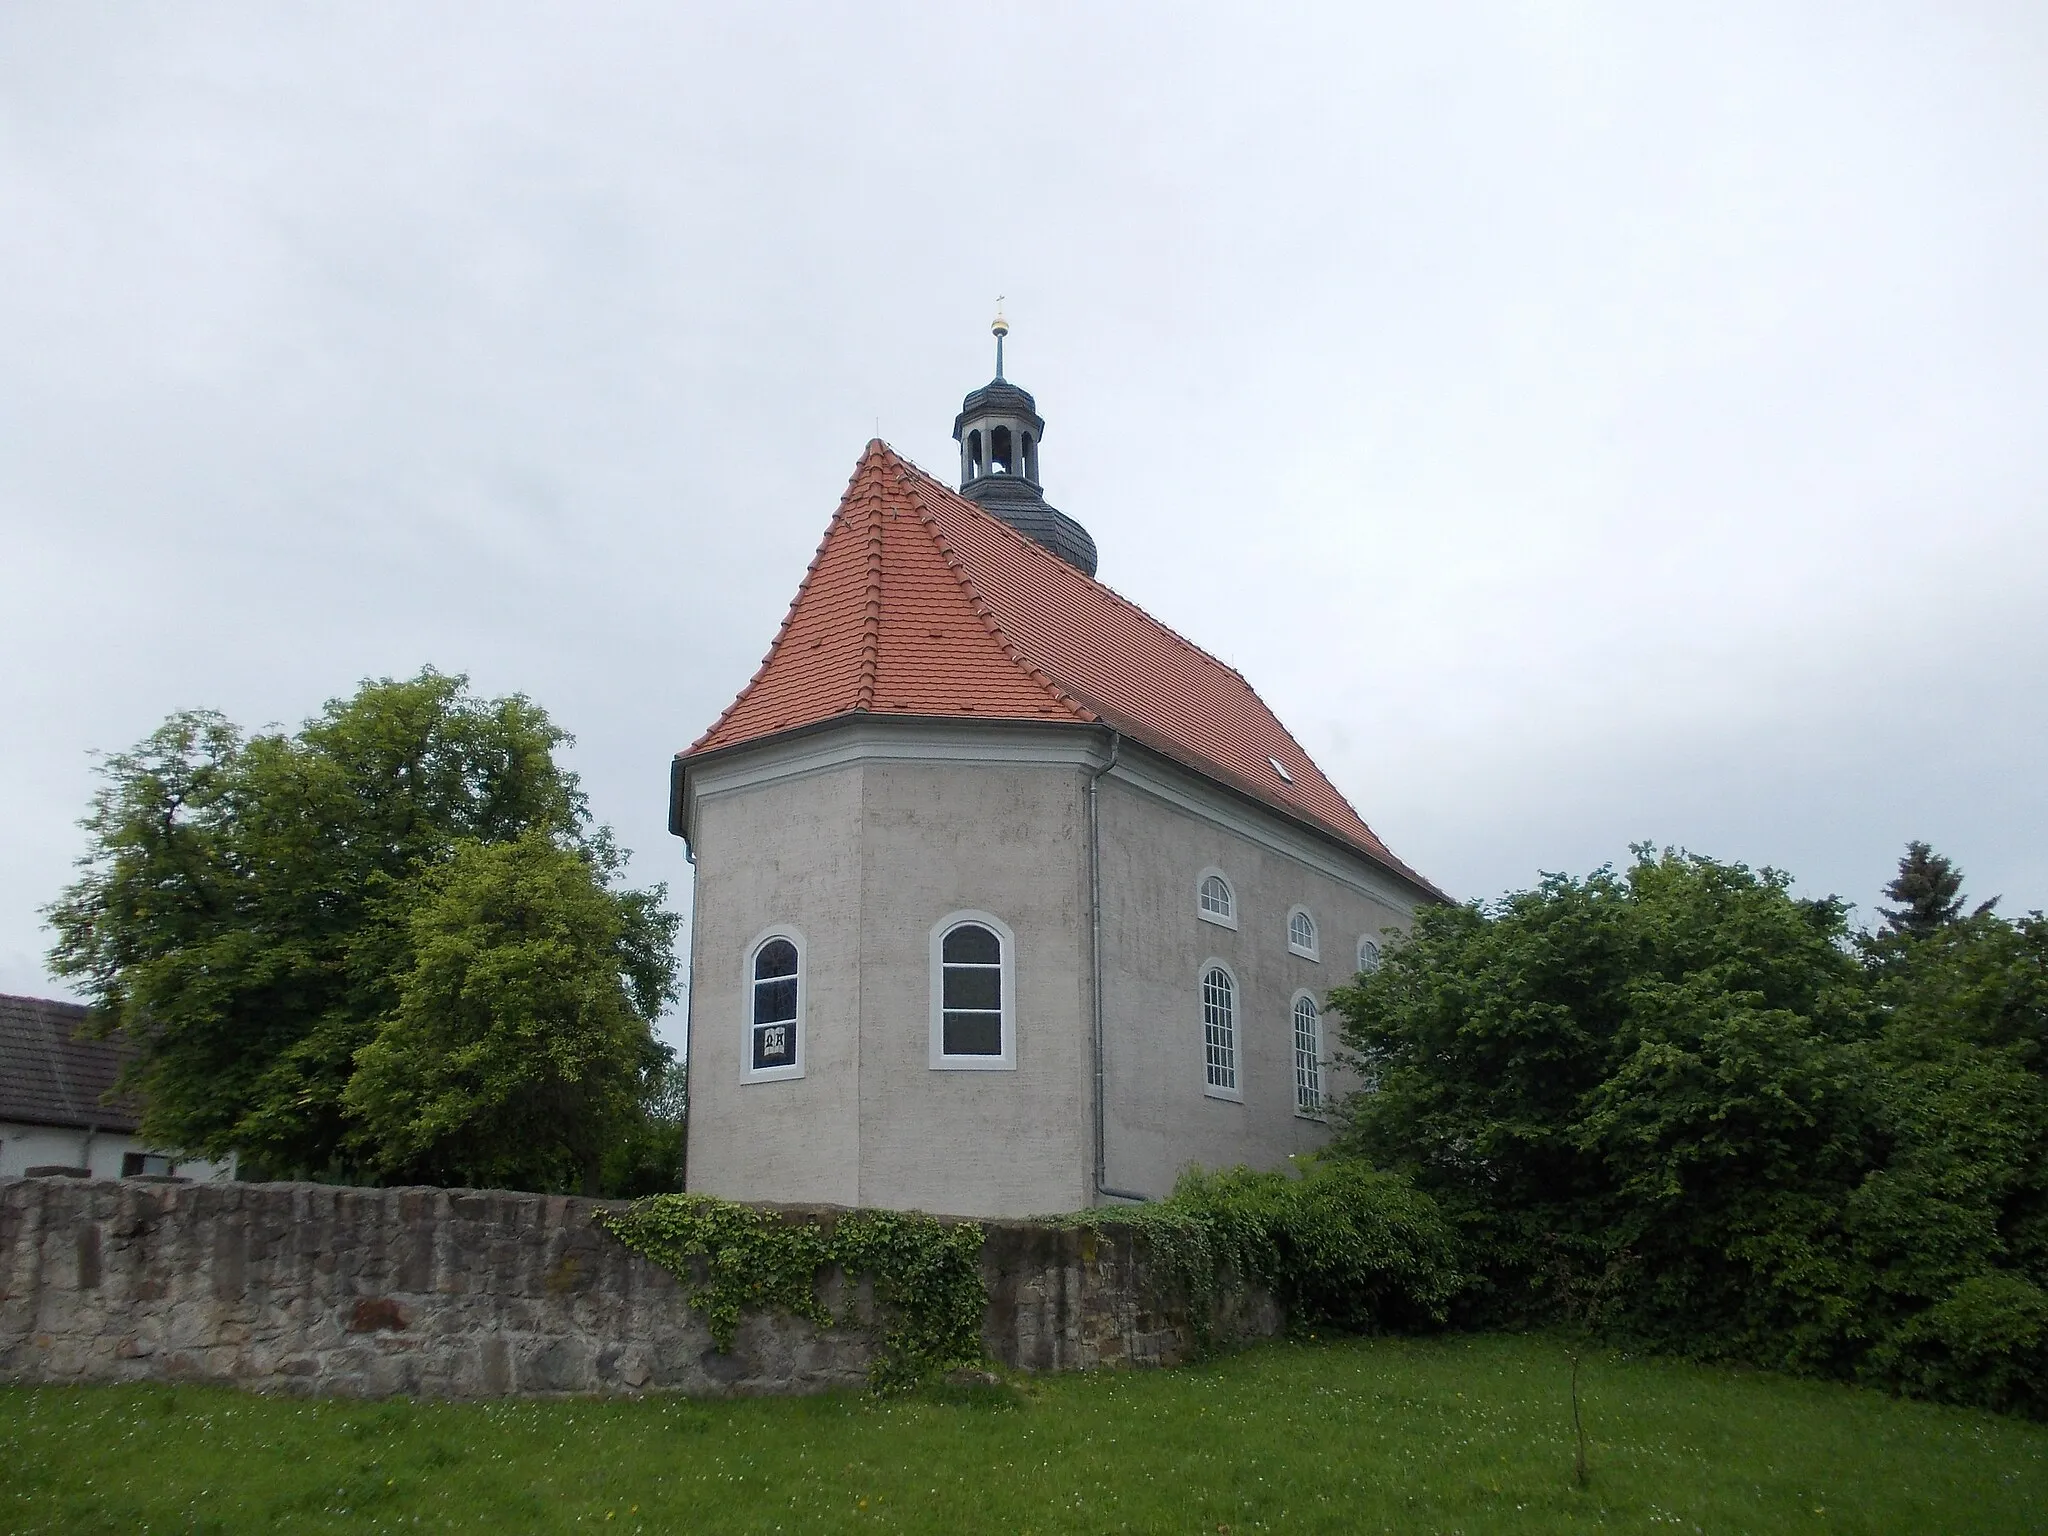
[{"x": 920, "y": 603}]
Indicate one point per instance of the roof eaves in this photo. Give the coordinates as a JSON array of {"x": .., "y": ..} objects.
[
  {"x": 1245, "y": 789},
  {"x": 692, "y": 759}
]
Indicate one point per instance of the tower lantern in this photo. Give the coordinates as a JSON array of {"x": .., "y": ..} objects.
[{"x": 999, "y": 430}]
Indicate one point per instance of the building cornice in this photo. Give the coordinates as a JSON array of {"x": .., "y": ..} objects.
[{"x": 848, "y": 739}]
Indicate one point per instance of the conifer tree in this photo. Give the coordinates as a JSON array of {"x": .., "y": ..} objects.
[{"x": 1929, "y": 890}]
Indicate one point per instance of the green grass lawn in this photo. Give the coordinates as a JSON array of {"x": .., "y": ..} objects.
[{"x": 1459, "y": 1433}]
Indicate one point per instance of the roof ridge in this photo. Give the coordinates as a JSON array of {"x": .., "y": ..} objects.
[
  {"x": 980, "y": 605},
  {"x": 1138, "y": 609},
  {"x": 925, "y": 477},
  {"x": 871, "y": 611},
  {"x": 795, "y": 602}
]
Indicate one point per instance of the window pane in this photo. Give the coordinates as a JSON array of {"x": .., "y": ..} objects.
[
  {"x": 1301, "y": 932},
  {"x": 774, "y": 1046},
  {"x": 973, "y": 986},
  {"x": 1219, "y": 1034},
  {"x": 774, "y": 1001},
  {"x": 973, "y": 944},
  {"x": 1308, "y": 1051},
  {"x": 1216, "y": 897},
  {"x": 971, "y": 1034},
  {"x": 1368, "y": 956},
  {"x": 777, "y": 958}
]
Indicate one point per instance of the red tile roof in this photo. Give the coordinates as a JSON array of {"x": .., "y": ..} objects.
[{"x": 920, "y": 603}]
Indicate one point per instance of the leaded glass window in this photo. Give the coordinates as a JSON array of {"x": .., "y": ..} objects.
[{"x": 772, "y": 1036}]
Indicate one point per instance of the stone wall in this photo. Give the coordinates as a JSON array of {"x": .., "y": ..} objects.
[{"x": 310, "y": 1288}]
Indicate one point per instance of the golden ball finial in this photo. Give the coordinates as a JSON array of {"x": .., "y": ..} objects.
[{"x": 1001, "y": 327}]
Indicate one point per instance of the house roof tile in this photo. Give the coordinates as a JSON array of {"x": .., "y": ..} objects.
[
  {"x": 918, "y": 602},
  {"x": 48, "y": 1076}
]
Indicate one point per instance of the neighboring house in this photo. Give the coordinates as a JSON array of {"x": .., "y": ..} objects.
[
  {"x": 1009, "y": 899},
  {"x": 53, "y": 1113}
]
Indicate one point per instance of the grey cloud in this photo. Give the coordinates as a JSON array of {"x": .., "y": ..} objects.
[{"x": 1584, "y": 424}]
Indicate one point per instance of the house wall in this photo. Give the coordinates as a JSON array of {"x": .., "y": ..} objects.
[
  {"x": 866, "y": 835},
  {"x": 865, "y": 860},
  {"x": 1009, "y": 841},
  {"x": 23, "y": 1147},
  {"x": 783, "y": 853},
  {"x": 1159, "y": 1114}
]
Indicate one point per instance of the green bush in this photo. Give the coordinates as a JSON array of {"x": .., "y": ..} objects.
[
  {"x": 648, "y": 1158},
  {"x": 1336, "y": 1243},
  {"x": 1689, "y": 1107},
  {"x": 1985, "y": 1343}
]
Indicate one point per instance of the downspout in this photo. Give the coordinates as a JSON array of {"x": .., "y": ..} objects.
[
  {"x": 1116, "y": 746},
  {"x": 689, "y": 1019},
  {"x": 678, "y": 824}
]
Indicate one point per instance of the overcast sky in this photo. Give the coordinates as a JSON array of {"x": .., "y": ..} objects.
[{"x": 1583, "y": 424}]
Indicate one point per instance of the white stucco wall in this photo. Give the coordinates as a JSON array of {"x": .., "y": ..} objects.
[
  {"x": 23, "y": 1147},
  {"x": 1160, "y": 1117},
  {"x": 782, "y": 853},
  {"x": 865, "y": 836},
  {"x": 864, "y": 860},
  {"x": 1008, "y": 841}
]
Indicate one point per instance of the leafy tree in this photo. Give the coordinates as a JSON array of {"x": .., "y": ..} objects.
[
  {"x": 1952, "y": 1225},
  {"x": 1783, "y": 1147},
  {"x": 513, "y": 1052},
  {"x": 649, "y": 1158},
  {"x": 245, "y": 912},
  {"x": 1929, "y": 891},
  {"x": 1651, "y": 1063}
]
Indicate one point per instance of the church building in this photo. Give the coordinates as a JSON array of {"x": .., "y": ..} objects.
[{"x": 1009, "y": 899}]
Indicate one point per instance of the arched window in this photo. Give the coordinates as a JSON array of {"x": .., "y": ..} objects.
[
  {"x": 1308, "y": 1056},
  {"x": 1215, "y": 902},
  {"x": 1368, "y": 955},
  {"x": 1219, "y": 1032},
  {"x": 775, "y": 999},
  {"x": 999, "y": 459},
  {"x": 1301, "y": 934},
  {"x": 974, "y": 454},
  {"x": 973, "y": 989}
]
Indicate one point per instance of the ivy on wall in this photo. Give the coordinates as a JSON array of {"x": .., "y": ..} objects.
[{"x": 734, "y": 1258}]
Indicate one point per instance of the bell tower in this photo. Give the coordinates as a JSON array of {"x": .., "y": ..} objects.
[{"x": 999, "y": 430}]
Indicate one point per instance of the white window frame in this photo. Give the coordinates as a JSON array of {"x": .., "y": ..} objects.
[
  {"x": 748, "y": 1072},
  {"x": 1320, "y": 1108},
  {"x": 1314, "y": 950},
  {"x": 1220, "y": 919},
  {"x": 1235, "y": 1093},
  {"x": 1379, "y": 954},
  {"x": 939, "y": 1060}
]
